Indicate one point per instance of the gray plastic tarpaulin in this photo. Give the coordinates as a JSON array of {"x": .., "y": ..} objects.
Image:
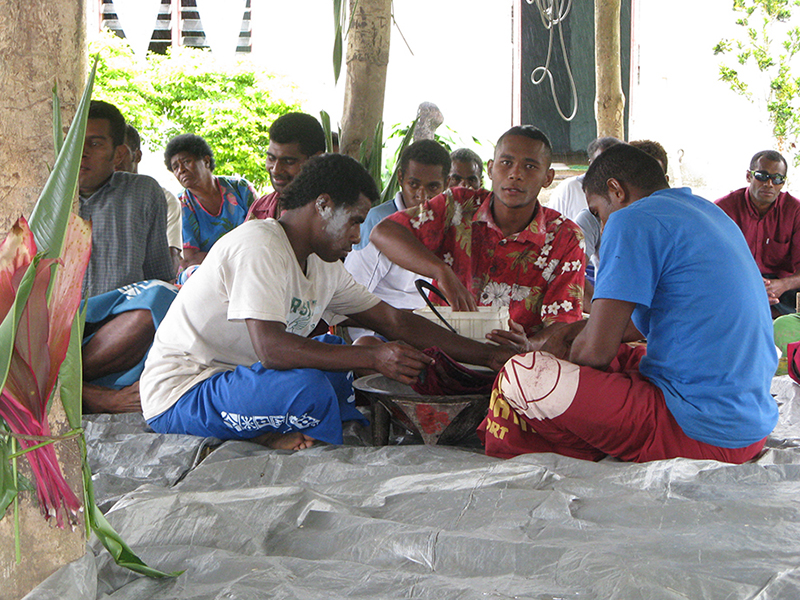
[{"x": 439, "y": 523}]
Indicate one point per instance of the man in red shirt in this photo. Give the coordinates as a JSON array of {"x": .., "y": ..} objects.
[
  {"x": 293, "y": 139},
  {"x": 499, "y": 248},
  {"x": 770, "y": 221}
]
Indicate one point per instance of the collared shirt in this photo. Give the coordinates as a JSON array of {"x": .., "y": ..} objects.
[
  {"x": 265, "y": 207},
  {"x": 201, "y": 229},
  {"x": 375, "y": 215},
  {"x": 129, "y": 238},
  {"x": 538, "y": 272},
  {"x": 773, "y": 239}
]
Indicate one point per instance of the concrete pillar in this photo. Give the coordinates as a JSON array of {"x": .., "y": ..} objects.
[{"x": 41, "y": 44}]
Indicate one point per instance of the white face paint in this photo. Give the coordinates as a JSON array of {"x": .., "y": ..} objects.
[
  {"x": 337, "y": 220},
  {"x": 340, "y": 227}
]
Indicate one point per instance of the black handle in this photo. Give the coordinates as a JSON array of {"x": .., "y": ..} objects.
[{"x": 424, "y": 285}]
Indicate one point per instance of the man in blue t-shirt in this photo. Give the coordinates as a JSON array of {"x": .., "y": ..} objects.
[{"x": 702, "y": 388}]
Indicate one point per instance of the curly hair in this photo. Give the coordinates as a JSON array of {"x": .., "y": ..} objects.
[
  {"x": 103, "y": 110},
  {"x": 301, "y": 128},
  {"x": 190, "y": 143},
  {"x": 426, "y": 152},
  {"x": 343, "y": 178},
  {"x": 626, "y": 164}
]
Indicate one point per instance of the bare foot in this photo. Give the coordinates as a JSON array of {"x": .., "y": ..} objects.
[
  {"x": 98, "y": 399},
  {"x": 285, "y": 441}
]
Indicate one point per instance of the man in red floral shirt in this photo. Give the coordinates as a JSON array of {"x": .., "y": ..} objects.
[{"x": 499, "y": 248}]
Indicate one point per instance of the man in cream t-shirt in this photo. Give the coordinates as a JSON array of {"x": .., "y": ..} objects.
[{"x": 232, "y": 358}]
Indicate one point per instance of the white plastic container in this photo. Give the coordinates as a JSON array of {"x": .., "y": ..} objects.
[{"x": 473, "y": 325}]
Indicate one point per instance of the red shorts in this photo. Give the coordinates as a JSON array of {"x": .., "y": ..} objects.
[{"x": 543, "y": 404}]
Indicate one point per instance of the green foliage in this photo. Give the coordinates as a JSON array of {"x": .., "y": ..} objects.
[
  {"x": 188, "y": 91},
  {"x": 768, "y": 43}
]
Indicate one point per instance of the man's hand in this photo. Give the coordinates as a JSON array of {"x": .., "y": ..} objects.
[
  {"x": 559, "y": 344},
  {"x": 500, "y": 356},
  {"x": 515, "y": 338},
  {"x": 400, "y": 361},
  {"x": 774, "y": 290},
  {"x": 459, "y": 297}
]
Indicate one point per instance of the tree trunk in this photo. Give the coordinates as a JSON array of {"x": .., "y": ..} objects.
[
  {"x": 367, "y": 61},
  {"x": 610, "y": 101},
  {"x": 41, "y": 43}
]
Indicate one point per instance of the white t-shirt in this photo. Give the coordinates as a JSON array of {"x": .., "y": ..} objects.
[
  {"x": 568, "y": 197},
  {"x": 174, "y": 220},
  {"x": 250, "y": 273},
  {"x": 389, "y": 282}
]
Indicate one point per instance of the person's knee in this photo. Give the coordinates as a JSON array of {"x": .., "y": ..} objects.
[
  {"x": 539, "y": 386},
  {"x": 139, "y": 321}
]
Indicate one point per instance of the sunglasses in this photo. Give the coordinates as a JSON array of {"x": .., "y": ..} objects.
[{"x": 763, "y": 176}]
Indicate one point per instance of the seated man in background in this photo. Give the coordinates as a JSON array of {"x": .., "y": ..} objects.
[
  {"x": 499, "y": 248},
  {"x": 423, "y": 173},
  {"x": 293, "y": 139},
  {"x": 232, "y": 358},
  {"x": 129, "y": 162},
  {"x": 568, "y": 197},
  {"x": 130, "y": 264},
  {"x": 770, "y": 221},
  {"x": 703, "y": 388},
  {"x": 466, "y": 169}
]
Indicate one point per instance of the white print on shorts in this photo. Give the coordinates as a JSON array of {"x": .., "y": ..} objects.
[
  {"x": 243, "y": 423},
  {"x": 538, "y": 385}
]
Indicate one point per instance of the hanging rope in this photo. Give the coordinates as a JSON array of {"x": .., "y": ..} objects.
[{"x": 552, "y": 13}]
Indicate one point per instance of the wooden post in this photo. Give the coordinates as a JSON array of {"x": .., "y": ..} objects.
[
  {"x": 609, "y": 101},
  {"x": 41, "y": 43},
  {"x": 367, "y": 62}
]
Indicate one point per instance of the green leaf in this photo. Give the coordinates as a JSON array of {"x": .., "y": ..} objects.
[
  {"x": 58, "y": 137},
  {"x": 337, "y": 54},
  {"x": 8, "y": 487},
  {"x": 51, "y": 213},
  {"x": 111, "y": 540},
  {"x": 338, "y": 43},
  {"x": 71, "y": 374},
  {"x": 325, "y": 118}
]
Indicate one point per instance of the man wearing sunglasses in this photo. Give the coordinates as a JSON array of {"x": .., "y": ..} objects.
[{"x": 770, "y": 221}]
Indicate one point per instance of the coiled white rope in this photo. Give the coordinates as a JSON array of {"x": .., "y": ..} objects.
[{"x": 552, "y": 13}]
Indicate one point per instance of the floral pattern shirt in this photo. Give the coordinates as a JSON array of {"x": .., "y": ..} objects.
[
  {"x": 538, "y": 272},
  {"x": 200, "y": 228}
]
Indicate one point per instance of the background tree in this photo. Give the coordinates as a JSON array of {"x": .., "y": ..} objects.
[
  {"x": 609, "y": 99},
  {"x": 367, "y": 33},
  {"x": 189, "y": 91},
  {"x": 758, "y": 64}
]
